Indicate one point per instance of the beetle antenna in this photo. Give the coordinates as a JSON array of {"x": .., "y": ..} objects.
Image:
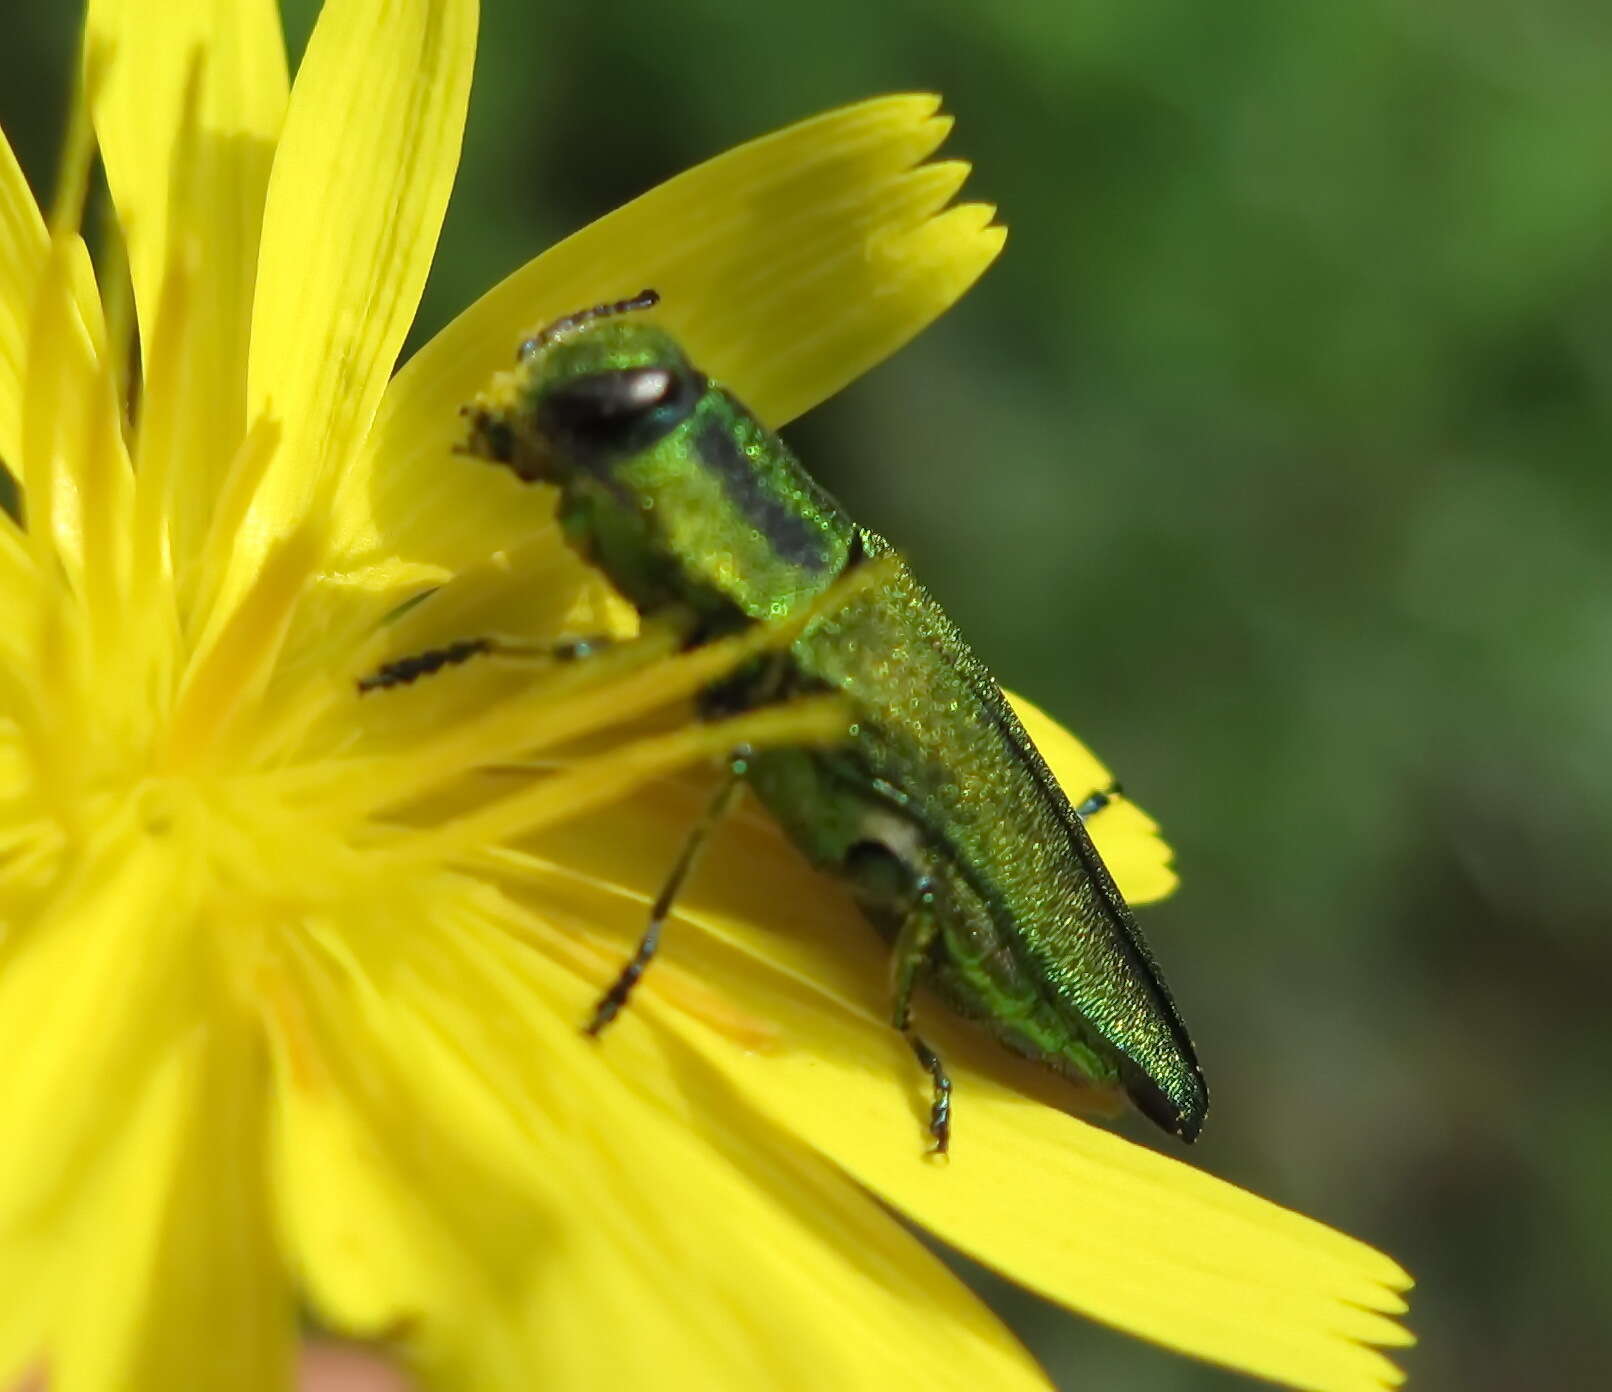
[{"x": 644, "y": 299}]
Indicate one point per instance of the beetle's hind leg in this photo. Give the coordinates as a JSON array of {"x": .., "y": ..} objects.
[
  {"x": 913, "y": 942},
  {"x": 404, "y": 670},
  {"x": 1096, "y": 800}
]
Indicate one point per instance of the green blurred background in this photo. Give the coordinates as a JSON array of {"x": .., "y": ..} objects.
[{"x": 1272, "y": 458}]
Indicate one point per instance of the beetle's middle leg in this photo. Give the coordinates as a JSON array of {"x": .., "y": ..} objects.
[{"x": 611, "y": 1003}]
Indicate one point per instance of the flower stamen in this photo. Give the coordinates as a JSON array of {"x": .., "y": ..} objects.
[
  {"x": 594, "y": 782},
  {"x": 234, "y": 669}
]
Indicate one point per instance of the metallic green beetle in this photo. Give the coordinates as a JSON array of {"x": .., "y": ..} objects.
[{"x": 939, "y": 813}]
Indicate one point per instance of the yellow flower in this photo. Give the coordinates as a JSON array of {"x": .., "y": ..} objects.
[{"x": 290, "y": 980}]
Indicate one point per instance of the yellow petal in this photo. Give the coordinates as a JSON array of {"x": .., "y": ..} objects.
[
  {"x": 131, "y": 1177},
  {"x": 1096, "y": 1223},
  {"x": 78, "y": 983},
  {"x": 788, "y": 266},
  {"x": 1127, "y": 838},
  {"x": 24, "y": 252},
  {"x": 1121, "y": 1233},
  {"x": 552, "y": 1190},
  {"x": 23, "y": 248},
  {"x": 188, "y": 104},
  {"x": 355, "y": 202},
  {"x": 178, "y": 1283},
  {"x": 73, "y": 463},
  {"x": 31, "y": 1277},
  {"x": 18, "y": 587}
]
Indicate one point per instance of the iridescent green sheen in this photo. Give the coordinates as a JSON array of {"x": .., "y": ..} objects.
[{"x": 939, "y": 805}]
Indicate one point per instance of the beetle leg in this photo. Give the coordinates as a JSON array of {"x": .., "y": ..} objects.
[
  {"x": 404, "y": 670},
  {"x": 611, "y": 1003},
  {"x": 1096, "y": 800},
  {"x": 913, "y": 942}
]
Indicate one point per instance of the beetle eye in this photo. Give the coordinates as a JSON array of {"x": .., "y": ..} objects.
[{"x": 626, "y": 408}]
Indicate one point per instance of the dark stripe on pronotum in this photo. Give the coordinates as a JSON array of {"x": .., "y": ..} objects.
[{"x": 791, "y": 536}]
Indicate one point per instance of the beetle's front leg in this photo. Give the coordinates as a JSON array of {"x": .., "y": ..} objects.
[{"x": 404, "y": 670}]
